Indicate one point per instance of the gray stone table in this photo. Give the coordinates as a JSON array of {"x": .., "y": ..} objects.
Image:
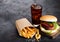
[{"x": 11, "y": 10}]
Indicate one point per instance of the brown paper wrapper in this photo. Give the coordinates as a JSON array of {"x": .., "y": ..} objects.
[{"x": 22, "y": 23}]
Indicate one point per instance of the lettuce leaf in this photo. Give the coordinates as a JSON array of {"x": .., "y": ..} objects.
[{"x": 56, "y": 26}]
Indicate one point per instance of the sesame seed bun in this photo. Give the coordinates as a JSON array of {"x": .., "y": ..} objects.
[{"x": 48, "y": 18}]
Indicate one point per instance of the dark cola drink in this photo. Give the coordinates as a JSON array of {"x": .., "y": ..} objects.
[{"x": 36, "y": 12}]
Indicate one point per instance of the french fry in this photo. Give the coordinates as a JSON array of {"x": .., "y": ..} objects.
[
  {"x": 28, "y": 29},
  {"x": 37, "y": 36},
  {"x": 25, "y": 30},
  {"x": 24, "y": 34}
]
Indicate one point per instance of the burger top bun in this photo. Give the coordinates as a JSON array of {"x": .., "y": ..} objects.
[{"x": 48, "y": 18}]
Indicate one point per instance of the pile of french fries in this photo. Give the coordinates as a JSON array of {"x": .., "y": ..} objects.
[{"x": 29, "y": 32}]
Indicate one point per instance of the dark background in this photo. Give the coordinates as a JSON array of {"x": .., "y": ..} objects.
[{"x": 11, "y": 10}]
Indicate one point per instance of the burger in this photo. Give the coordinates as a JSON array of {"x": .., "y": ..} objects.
[{"x": 49, "y": 25}]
